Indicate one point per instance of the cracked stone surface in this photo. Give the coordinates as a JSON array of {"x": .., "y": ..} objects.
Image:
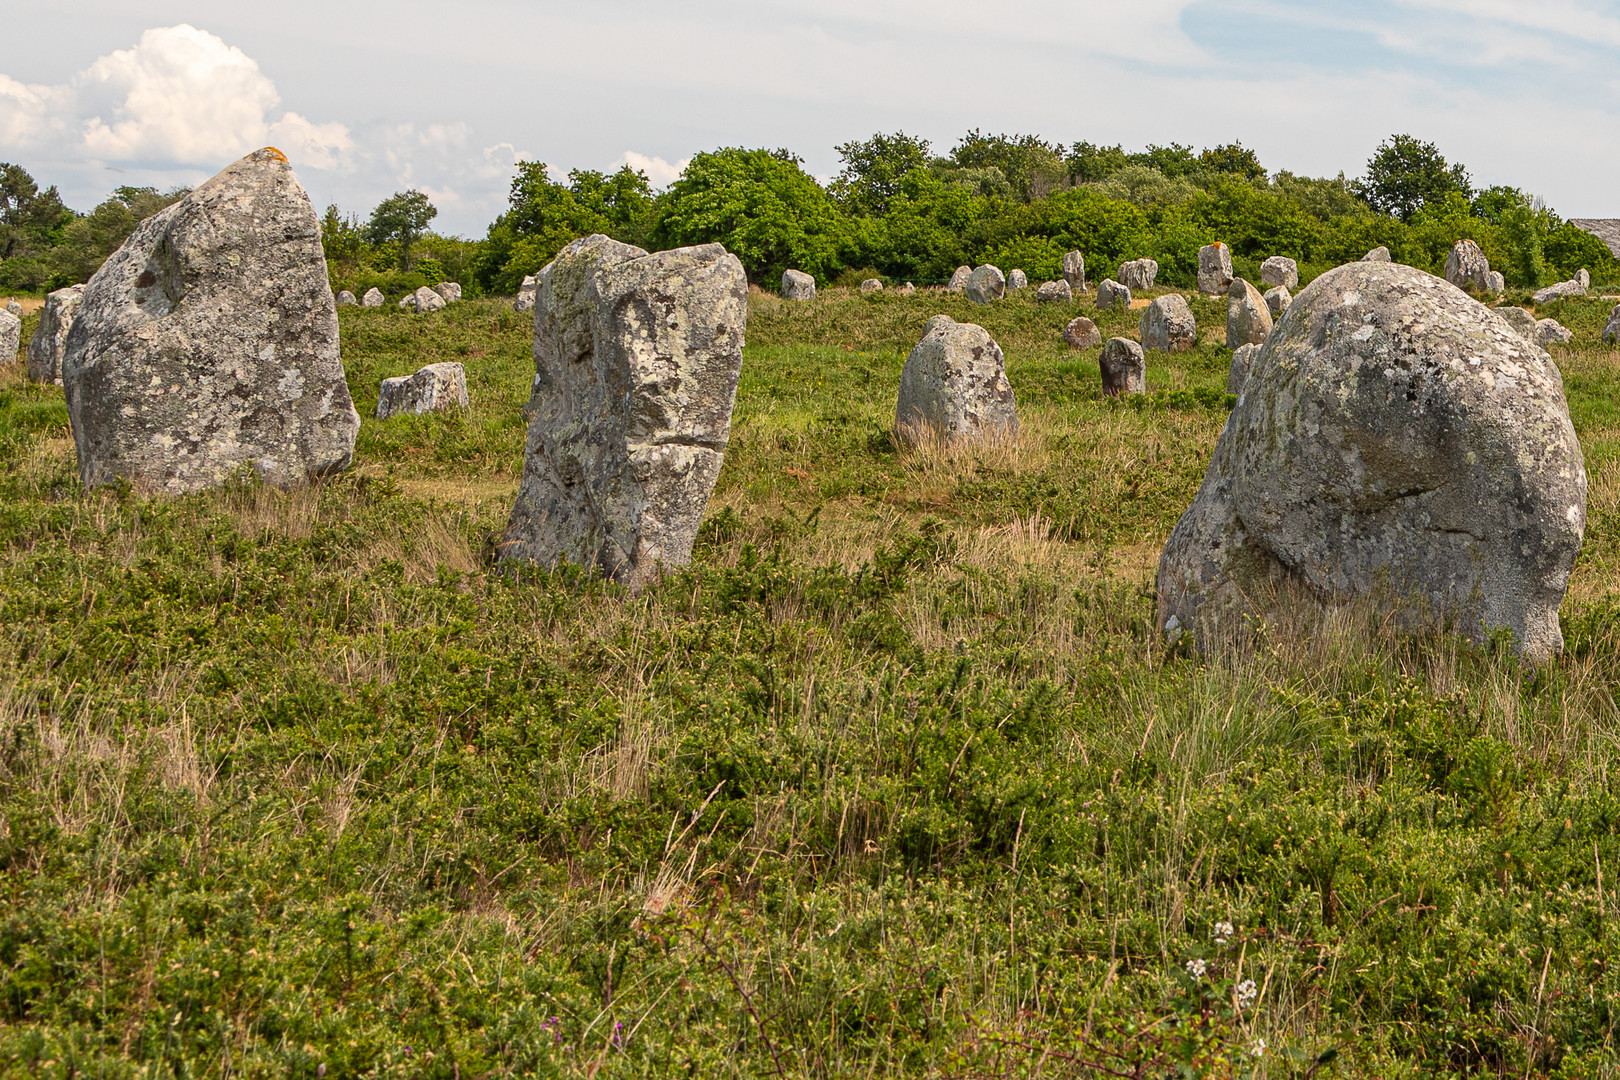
[
  {"x": 209, "y": 342},
  {"x": 10, "y": 337},
  {"x": 1167, "y": 324},
  {"x": 1394, "y": 439},
  {"x": 636, "y": 361},
  {"x": 1124, "y": 368},
  {"x": 1074, "y": 271},
  {"x": 797, "y": 285},
  {"x": 1248, "y": 316}
]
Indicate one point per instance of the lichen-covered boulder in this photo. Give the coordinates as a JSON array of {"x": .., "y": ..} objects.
[
  {"x": 209, "y": 342},
  {"x": 1074, "y": 271},
  {"x": 449, "y": 291},
  {"x": 1016, "y": 280},
  {"x": 14, "y": 308},
  {"x": 1138, "y": 274},
  {"x": 1573, "y": 287},
  {"x": 872, "y": 284},
  {"x": 1280, "y": 270},
  {"x": 959, "y": 278},
  {"x": 1468, "y": 268},
  {"x": 908, "y": 289},
  {"x": 525, "y": 295},
  {"x": 422, "y": 301},
  {"x": 10, "y": 336},
  {"x": 1053, "y": 291},
  {"x": 1377, "y": 254},
  {"x": 46, "y": 347},
  {"x": 435, "y": 388},
  {"x": 1498, "y": 282},
  {"x": 636, "y": 362},
  {"x": 1394, "y": 439},
  {"x": 373, "y": 298},
  {"x": 985, "y": 284},
  {"x": 1214, "y": 269},
  {"x": 1238, "y": 374},
  {"x": 1552, "y": 332},
  {"x": 1111, "y": 294},
  {"x": 797, "y": 285},
  {"x": 1082, "y": 333},
  {"x": 1277, "y": 300},
  {"x": 1168, "y": 325},
  {"x": 346, "y": 299},
  {"x": 954, "y": 385},
  {"x": 1523, "y": 323},
  {"x": 1124, "y": 368},
  {"x": 1248, "y": 317}
]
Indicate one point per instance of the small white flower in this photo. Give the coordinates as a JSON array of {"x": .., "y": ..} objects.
[
  {"x": 1196, "y": 968},
  {"x": 1246, "y": 993},
  {"x": 1223, "y": 932},
  {"x": 1258, "y": 1049}
]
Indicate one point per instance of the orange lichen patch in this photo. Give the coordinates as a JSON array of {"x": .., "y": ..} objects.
[{"x": 277, "y": 154}]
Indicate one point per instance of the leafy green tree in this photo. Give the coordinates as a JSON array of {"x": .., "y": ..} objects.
[
  {"x": 344, "y": 241},
  {"x": 1032, "y": 166},
  {"x": 1322, "y": 199},
  {"x": 874, "y": 168},
  {"x": 400, "y": 219},
  {"x": 1145, "y": 186},
  {"x": 1569, "y": 248},
  {"x": 1234, "y": 159},
  {"x": 86, "y": 241},
  {"x": 761, "y": 205},
  {"x": 1404, "y": 175},
  {"x": 931, "y": 228},
  {"x": 1088, "y": 164},
  {"x": 29, "y": 218},
  {"x": 1173, "y": 160}
]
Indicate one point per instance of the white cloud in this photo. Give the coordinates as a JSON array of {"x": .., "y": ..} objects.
[
  {"x": 319, "y": 146},
  {"x": 22, "y": 111},
  {"x": 659, "y": 171}
]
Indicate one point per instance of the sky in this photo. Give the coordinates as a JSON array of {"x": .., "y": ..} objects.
[{"x": 369, "y": 98}]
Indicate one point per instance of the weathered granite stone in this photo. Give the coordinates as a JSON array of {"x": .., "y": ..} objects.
[
  {"x": 13, "y": 308},
  {"x": 1611, "y": 331},
  {"x": 954, "y": 385},
  {"x": 346, "y": 299},
  {"x": 10, "y": 337},
  {"x": 373, "y": 298},
  {"x": 1111, "y": 294},
  {"x": 1082, "y": 333},
  {"x": 1138, "y": 273},
  {"x": 1572, "y": 287},
  {"x": 1248, "y": 318},
  {"x": 797, "y": 285},
  {"x": 872, "y": 284},
  {"x": 1242, "y": 359},
  {"x": 434, "y": 388},
  {"x": 449, "y": 291},
  {"x": 1468, "y": 269},
  {"x": 1552, "y": 332},
  {"x": 525, "y": 295},
  {"x": 1394, "y": 440},
  {"x": 1280, "y": 270},
  {"x": 1053, "y": 291},
  {"x": 985, "y": 285},
  {"x": 209, "y": 342},
  {"x": 1523, "y": 323},
  {"x": 1214, "y": 269},
  {"x": 1584, "y": 278},
  {"x": 428, "y": 300},
  {"x": 46, "y": 347},
  {"x": 1017, "y": 280},
  {"x": 1124, "y": 368},
  {"x": 1377, "y": 254},
  {"x": 636, "y": 363},
  {"x": 1074, "y": 271},
  {"x": 407, "y": 302},
  {"x": 1498, "y": 282},
  {"x": 1277, "y": 300},
  {"x": 1167, "y": 324},
  {"x": 959, "y": 278},
  {"x": 907, "y": 289}
]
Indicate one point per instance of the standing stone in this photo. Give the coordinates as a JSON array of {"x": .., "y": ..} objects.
[
  {"x": 1377, "y": 254},
  {"x": 1394, "y": 441},
  {"x": 373, "y": 298},
  {"x": 1552, "y": 332},
  {"x": 434, "y": 388},
  {"x": 1214, "y": 269},
  {"x": 1111, "y": 294},
  {"x": 1016, "y": 280},
  {"x": 1124, "y": 368},
  {"x": 1498, "y": 282},
  {"x": 1611, "y": 331},
  {"x": 1238, "y": 374},
  {"x": 427, "y": 300},
  {"x": 1468, "y": 269},
  {"x": 449, "y": 291},
  {"x": 525, "y": 295},
  {"x": 906, "y": 290},
  {"x": 959, "y": 278},
  {"x": 1168, "y": 325},
  {"x": 1280, "y": 270},
  {"x": 1053, "y": 291},
  {"x": 797, "y": 285},
  {"x": 407, "y": 302},
  {"x": 872, "y": 284},
  {"x": 985, "y": 285},
  {"x": 636, "y": 363},
  {"x": 1277, "y": 301},
  {"x": 1573, "y": 287},
  {"x": 209, "y": 342},
  {"x": 346, "y": 299},
  {"x": 13, "y": 308},
  {"x": 1523, "y": 323},
  {"x": 1138, "y": 273},
  {"x": 1082, "y": 333},
  {"x": 1074, "y": 271},
  {"x": 1584, "y": 278},
  {"x": 46, "y": 347},
  {"x": 1248, "y": 317},
  {"x": 954, "y": 384},
  {"x": 10, "y": 337}
]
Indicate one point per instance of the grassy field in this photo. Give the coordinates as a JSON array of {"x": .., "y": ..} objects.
[{"x": 895, "y": 779}]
